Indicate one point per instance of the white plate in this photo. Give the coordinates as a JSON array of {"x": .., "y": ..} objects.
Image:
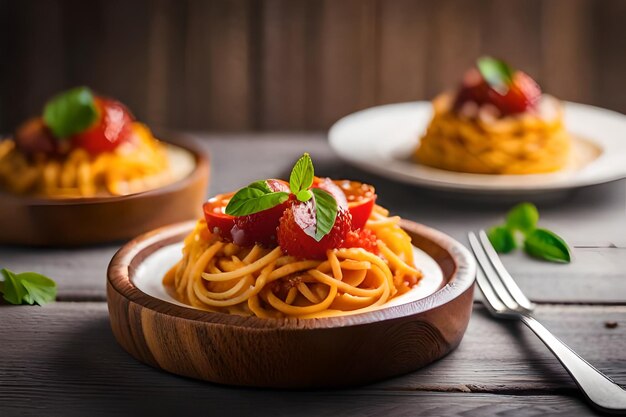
[
  {"x": 149, "y": 276},
  {"x": 382, "y": 139}
]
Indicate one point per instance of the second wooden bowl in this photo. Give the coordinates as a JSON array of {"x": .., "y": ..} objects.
[
  {"x": 37, "y": 221},
  {"x": 290, "y": 353}
]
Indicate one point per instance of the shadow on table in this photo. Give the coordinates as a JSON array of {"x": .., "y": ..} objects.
[{"x": 103, "y": 379}]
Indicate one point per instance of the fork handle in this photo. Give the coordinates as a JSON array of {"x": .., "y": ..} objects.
[{"x": 598, "y": 388}]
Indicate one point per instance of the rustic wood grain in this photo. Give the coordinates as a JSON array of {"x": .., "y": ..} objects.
[
  {"x": 75, "y": 367},
  {"x": 277, "y": 64},
  {"x": 218, "y": 87},
  {"x": 403, "y": 50},
  {"x": 290, "y": 352}
]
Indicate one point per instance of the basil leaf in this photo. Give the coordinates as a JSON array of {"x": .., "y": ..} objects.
[
  {"x": 502, "y": 239},
  {"x": 544, "y": 244},
  {"x": 497, "y": 73},
  {"x": 254, "y": 198},
  {"x": 523, "y": 217},
  {"x": 40, "y": 289},
  {"x": 325, "y": 213},
  {"x": 304, "y": 195},
  {"x": 28, "y": 287},
  {"x": 70, "y": 112},
  {"x": 13, "y": 292},
  {"x": 301, "y": 177}
]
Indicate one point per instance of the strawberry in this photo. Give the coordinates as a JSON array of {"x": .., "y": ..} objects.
[
  {"x": 362, "y": 238},
  {"x": 510, "y": 91},
  {"x": 293, "y": 239}
]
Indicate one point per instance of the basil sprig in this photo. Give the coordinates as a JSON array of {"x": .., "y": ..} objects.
[
  {"x": 498, "y": 74},
  {"x": 258, "y": 196},
  {"x": 26, "y": 288},
  {"x": 70, "y": 112},
  {"x": 521, "y": 225}
]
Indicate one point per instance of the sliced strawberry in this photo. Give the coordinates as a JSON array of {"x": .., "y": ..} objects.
[
  {"x": 362, "y": 238},
  {"x": 293, "y": 239},
  {"x": 332, "y": 188}
]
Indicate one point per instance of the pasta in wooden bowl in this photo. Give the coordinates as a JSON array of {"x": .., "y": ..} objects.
[
  {"x": 291, "y": 285},
  {"x": 497, "y": 123},
  {"x": 83, "y": 146},
  {"x": 86, "y": 171}
]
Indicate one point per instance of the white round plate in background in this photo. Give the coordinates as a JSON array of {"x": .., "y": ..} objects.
[{"x": 382, "y": 139}]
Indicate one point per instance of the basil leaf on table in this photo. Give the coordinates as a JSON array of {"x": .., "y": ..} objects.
[
  {"x": 302, "y": 174},
  {"x": 545, "y": 244},
  {"x": 523, "y": 217},
  {"x": 70, "y": 112},
  {"x": 502, "y": 239},
  {"x": 27, "y": 287},
  {"x": 254, "y": 198},
  {"x": 325, "y": 213}
]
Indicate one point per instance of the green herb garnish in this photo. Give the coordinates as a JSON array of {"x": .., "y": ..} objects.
[
  {"x": 498, "y": 74},
  {"x": 521, "y": 222},
  {"x": 502, "y": 239},
  {"x": 26, "y": 288},
  {"x": 544, "y": 244},
  {"x": 70, "y": 112},
  {"x": 258, "y": 196}
]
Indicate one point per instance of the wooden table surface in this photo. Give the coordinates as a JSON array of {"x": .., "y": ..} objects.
[{"x": 62, "y": 359}]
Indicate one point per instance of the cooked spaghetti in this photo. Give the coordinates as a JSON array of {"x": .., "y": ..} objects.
[
  {"x": 220, "y": 276},
  {"x": 526, "y": 143},
  {"x": 137, "y": 165}
]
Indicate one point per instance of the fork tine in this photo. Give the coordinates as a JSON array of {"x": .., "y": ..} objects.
[
  {"x": 507, "y": 279},
  {"x": 493, "y": 302},
  {"x": 490, "y": 274}
]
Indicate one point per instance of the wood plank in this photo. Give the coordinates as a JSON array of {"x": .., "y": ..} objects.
[
  {"x": 609, "y": 66},
  {"x": 285, "y": 63},
  {"x": 507, "y": 32},
  {"x": 34, "y": 66},
  {"x": 455, "y": 43},
  {"x": 75, "y": 367},
  {"x": 568, "y": 50},
  {"x": 343, "y": 72},
  {"x": 403, "y": 47},
  {"x": 218, "y": 87}
]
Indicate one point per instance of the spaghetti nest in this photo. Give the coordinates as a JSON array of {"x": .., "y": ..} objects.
[
  {"x": 522, "y": 144},
  {"x": 138, "y": 165},
  {"x": 218, "y": 276}
]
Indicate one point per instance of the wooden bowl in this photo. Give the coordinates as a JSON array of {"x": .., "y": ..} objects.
[
  {"x": 81, "y": 221},
  {"x": 290, "y": 353}
]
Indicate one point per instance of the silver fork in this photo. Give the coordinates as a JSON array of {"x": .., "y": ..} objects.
[{"x": 505, "y": 299}]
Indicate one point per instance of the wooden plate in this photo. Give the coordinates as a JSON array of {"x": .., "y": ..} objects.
[
  {"x": 290, "y": 353},
  {"x": 79, "y": 221}
]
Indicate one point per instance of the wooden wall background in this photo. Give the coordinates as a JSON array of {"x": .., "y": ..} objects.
[{"x": 296, "y": 64}]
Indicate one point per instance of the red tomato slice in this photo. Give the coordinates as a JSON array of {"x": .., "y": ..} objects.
[
  {"x": 112, "y": 128},
  {"x": 245, "y": 230},
  {"x": 361, "y": 198}
]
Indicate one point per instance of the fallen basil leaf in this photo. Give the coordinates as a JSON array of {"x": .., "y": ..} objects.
[
  {"x": 70, "y": 112},
  {"x": 13, "y": 292},
  {"x": 325, "y": 213},
  {"x": 40, "y": 289},
  {"x": 523, "y": 217},
  {"x": 27, "y": 287},
  {"x": 545, "y": 244},
  {"x": 502, "y": 239},
  {"x": 302, "y": 174}
]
